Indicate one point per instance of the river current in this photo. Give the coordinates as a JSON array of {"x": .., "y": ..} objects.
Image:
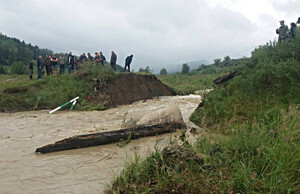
[{"x": 87, "y": 170}]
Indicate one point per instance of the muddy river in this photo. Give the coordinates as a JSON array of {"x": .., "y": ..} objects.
[{"x": 87, "y": 170}]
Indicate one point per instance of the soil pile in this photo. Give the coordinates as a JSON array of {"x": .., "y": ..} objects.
[{"x": 127, "y": 88}]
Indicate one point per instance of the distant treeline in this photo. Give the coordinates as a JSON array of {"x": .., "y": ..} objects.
[{"x": 13, "y": 50}]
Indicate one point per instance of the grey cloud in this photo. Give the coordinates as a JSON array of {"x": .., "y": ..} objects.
[
  {"x": 155, "y": 32},
  {"x": 288, "y": 8}
]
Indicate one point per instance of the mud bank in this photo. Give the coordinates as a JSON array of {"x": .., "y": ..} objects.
[{"x": 127, "y": 88}]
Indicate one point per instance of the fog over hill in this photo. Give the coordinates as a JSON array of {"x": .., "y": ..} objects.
[{"x": 177, "y": 67}]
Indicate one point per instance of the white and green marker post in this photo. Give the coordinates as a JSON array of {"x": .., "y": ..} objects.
[{"x": 73, "y": 101}]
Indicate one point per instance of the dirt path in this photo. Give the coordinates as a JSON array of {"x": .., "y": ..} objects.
[{"x": 87, "y": 170}]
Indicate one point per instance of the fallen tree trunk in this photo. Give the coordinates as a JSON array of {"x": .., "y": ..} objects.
[
  {"x": 225, "y": 78},
  {"x": 103, "y": 138}
]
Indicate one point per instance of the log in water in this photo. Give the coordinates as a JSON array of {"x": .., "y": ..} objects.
[
  {"x": 103, "y": 138},
  {"x": 224, "y": 78}
]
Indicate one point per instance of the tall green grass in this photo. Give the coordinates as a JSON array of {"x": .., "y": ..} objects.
[
  {"x": 258, "y": 157},
  {"x": 52, "y": 91}
]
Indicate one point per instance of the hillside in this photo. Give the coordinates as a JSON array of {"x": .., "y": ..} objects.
[{"x": 13, "y": 50}]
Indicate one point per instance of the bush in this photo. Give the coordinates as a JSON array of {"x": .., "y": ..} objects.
[
  {"x": 163, "y": 71},
  {"x": 185, "y": 68},
  {"x": 3, "y": 70},
  {"x": 18, "y": 68}
]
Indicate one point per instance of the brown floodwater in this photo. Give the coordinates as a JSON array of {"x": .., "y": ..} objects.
[{"x": 87, "y": 170}]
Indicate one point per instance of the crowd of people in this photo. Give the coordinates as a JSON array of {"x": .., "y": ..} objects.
[
  {"x": 51, "y": 63},
  {"x": 284, "y": 33}
]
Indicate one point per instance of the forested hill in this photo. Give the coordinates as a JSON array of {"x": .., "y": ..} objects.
[{"x": 14, "y": 50}]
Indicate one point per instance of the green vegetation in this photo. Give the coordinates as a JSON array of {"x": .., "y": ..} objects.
[
  {"x": 185, "y": 68},
  {"x": 258, "y": 157},
  {"x": 188, "y": 84},
  {"x": 163, "y": 71},
  {"x": 124, "y": 142},
  {"x": 145, "y": 70},
  {"x": 12, "y": 50},
  {"x": 250, "y": 139},
  {"x": 19, "y": 93}
]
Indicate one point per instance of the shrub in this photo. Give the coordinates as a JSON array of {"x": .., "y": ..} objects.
[
  {"x": 163, "y": 71},
  {"x": 185, "y": 68},
  {"x": 18, "y": 68},
  {"x": 3, "y": 70}
]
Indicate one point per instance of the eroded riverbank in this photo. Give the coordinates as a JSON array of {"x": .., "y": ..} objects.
[{"x": 86, "y": 170}]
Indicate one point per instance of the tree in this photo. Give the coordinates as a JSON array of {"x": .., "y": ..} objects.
[
  {"x": 163, "y": 71},
  {"x": 146, "y": 70},
  {"x": 217, "y": 62},
  {"x": 185, "y": 68},
  {"x": 227, "y": 61},
  {"x": 13, "y": 50}
]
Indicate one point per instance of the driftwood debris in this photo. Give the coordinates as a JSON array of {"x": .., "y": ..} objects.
[
  {"x": 103, "y": 138},
  {"x": 224, "y": 78}
]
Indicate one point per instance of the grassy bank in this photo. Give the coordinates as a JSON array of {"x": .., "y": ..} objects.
[
  {"x": 18, "y": 93},
  {"x": 250, "y": 139},
  {"x": 188, "y": 84},
  {"x": 258, "y": 157}
]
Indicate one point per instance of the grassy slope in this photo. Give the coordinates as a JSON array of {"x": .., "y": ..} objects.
[
  {"x": 51, "y": 91},
  {"x": 251, "y": 142}
]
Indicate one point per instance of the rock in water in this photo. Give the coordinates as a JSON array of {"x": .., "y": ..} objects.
[{"x": 169, "y": 115}]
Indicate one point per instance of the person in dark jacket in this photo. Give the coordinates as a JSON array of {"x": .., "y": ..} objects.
[
  {"x": 39, "y": 67},
  {"x": 97, "y": 57},
  {"x": 293, "y": 30},
  {"x": 113, "y": 60},
  {"x": 30, "y": 69},
  {"x": 71, "y": 62},
  {"x": 298, "y": 21},
  {"x": 90, "y": 57},
  {"x": 102, "y": 59},
  {"x": 83, "y": 57},
  {"x": 128, "y": 62}
]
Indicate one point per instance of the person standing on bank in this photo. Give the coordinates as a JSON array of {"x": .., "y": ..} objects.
[
  {"x": 71, "y": 62},
  {"x": 61, "y": 63},
  {"x": 298, "y": 21},
  {"x": 293, "y": 30},
  {"x": 90, "y": 58},
  {"x": 54, "y": 62},
  {"x": 30, "y": 69},
  {"x": 113, "y": 60},
  {"x": 97, "y": 57},
  {"x": 39, "y": 67},
  {"x": 128, "y": 61},
  {"x": 102, "y": 59},
  {"x": 283, "y": 32},
  {"x": 48, "y": 65}
]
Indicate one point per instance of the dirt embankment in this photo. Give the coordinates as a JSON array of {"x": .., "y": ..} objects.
[{"x": 127, "y": 88}]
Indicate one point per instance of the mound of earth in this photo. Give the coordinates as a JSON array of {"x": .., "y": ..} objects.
[{"x": 127, "y": 88}]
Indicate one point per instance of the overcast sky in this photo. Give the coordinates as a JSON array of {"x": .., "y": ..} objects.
[{"x": 157, "y": 32}]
